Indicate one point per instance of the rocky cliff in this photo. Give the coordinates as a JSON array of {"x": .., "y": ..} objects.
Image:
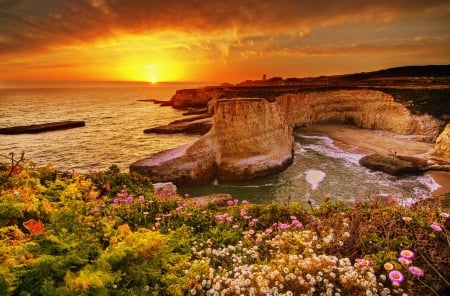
[
  {"x": 369, "y": 109},
  {"x": 249, "y": 138},
  {"x": 442, "y": 147},
  {"x": 195, "y": 97}
]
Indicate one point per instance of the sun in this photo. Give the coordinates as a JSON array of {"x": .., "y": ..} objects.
[{"x": 153, "y": 73}]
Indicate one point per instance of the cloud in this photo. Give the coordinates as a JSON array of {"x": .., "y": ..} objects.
[{"x": 39, "y": 26}]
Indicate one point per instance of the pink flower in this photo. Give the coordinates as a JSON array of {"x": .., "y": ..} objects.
[
  {"x": 407, "y": 254},
  {"x": 444, "y": 215},
  {"x": 396, "y": 276},
  {"x": 404, "y": 261},
  {"x": 436, "y": 227},
  {"x": 230, "y": 202},
  {"x": 416, "y": 271},
  {"x": 362, "y": 262},
  {"x": 244, "y": 202},
  {"x": 235, "y": 226},
  {"x": 229, "y": 219},
  {"x": 284, "y": 226},
  {"x": 269, "y": 230},
  {"x": 297, "y": 223}
]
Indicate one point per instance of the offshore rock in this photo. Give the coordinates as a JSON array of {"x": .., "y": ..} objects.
[
  {"x": 39, "y": 128},
  {"x": 391, "y": 164},
  {"x": 250, "y": 137},
  {"x": 442, "y": 147}
]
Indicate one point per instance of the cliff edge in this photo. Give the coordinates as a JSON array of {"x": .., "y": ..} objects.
[{"x": 250, "y": 137}]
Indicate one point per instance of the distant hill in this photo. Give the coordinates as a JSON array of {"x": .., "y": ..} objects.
[{"x": 406, "y": 71}]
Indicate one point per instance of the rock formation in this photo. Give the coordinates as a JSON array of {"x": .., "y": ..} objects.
[
  {"x": 250, "y": 137},
  {"x": 369, "y": 109},
  {"x": 442, "y": 147}
]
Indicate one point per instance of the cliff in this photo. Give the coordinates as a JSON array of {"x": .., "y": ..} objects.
[
  {"x": 369, "y": 109},
  {"x": 442, "y": 147},
  {"x": 250, "y": 137}
]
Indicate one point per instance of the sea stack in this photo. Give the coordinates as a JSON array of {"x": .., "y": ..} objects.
[{"x": 250, "y": 138}]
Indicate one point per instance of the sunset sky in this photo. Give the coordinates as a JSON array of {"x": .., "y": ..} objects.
[{"x": 216, "y": 41}]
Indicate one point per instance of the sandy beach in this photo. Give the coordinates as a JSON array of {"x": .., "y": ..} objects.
[{"x": 365, "y": 142}]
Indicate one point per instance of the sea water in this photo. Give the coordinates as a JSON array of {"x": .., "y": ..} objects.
[{"x": 115, "y": 119}]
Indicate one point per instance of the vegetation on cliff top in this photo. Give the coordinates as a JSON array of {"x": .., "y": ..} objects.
[{"x": 108, "y": 233}]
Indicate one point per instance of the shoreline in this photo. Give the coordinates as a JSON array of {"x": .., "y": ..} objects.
[{"x": 364, "y": 142}]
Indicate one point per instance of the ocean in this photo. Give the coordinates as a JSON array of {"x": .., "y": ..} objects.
[{"x": 115, "y": 119}]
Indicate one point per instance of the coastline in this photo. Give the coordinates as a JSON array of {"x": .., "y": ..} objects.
[{"x": 361, "y": 141}]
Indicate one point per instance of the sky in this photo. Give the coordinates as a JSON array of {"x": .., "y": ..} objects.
[{"x": 216, "y": 41}]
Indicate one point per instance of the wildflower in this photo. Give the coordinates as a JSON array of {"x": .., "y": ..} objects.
[
  {"x": 269, "y": 230},
  {"x": 230, "y": 202},
  {"x": 407, "y": 219},
  {"x": 444, "y": 215},
  {"x": 141, "y": 199},
  {"x": 129, "y": 199},
  {"x": 396, "y": 276},
  {"x": 362, "y": 262},
  {"x": 244, "y": 202},
  {"x": 284, "y": 226},
  {"x": 407, "y": 254},
  {"x": 416, "y": 271},
  {"x": 235, "y": 226},
  {"x": 388, "y": 266},
  {"x": 436, "y": 227},
  {"x": 404, "y": 261},
  {"x": 229, "y": 219}
]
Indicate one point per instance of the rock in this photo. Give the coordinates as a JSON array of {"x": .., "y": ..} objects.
[
  {"x": 249, "y": 138},
  {"x": 392, "y": 165},
  {"x": 217, "y": 199},
  {"x": 195, "y": 97},
  {"x": 369, "y": 109},
  {"x": 39, "y": 128},
  {"x": 442, "y": 147},
  {"x": 165, "y": 189},
  {"x": 198, "y": 127}
]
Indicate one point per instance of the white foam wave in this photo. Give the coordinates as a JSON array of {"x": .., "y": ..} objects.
[{"x": 327, "y": 148}]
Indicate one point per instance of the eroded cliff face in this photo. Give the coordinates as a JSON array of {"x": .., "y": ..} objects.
[
  {"x": 442, "y": 147},
  {"x": 249, "y": 138},
  {"x": 195, "y": 97},
  {"x": 368, "y": 109}
]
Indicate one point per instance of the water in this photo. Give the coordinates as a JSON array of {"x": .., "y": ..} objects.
[
  {"x": 113, "y": 134},
  {"x": 321, "y": 170}
]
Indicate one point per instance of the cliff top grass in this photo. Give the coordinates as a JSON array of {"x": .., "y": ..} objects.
[{"x": 109, "y": 233}]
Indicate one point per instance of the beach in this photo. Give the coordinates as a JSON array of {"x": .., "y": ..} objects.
[{"x": 361, "y": 141}]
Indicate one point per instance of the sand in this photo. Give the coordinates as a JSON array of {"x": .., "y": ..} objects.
[{"x": 366, "y": 142}]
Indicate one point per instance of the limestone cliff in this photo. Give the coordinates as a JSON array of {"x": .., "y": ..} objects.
[
  {"x": 249, "y": 138},
  {"x": 370, "y": 109},
  {"x": 195, "y": 97},
  {"x": 442, "y": 147}
]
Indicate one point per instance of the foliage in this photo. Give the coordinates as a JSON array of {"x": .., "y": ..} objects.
[{"x": 107, "y": 233}]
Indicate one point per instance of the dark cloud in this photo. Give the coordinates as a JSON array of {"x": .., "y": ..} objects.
[{"x": 39, "y": 25}]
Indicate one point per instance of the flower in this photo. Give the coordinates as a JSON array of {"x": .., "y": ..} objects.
[
  {"x": 284, "y": 226},
  {"x": 407, "y": 219},
  {"x": 407, "y": 254},
  {"x": 141, "y": 199},
  {"x": 416, "y": 271},
  {"x": 396, "y": 276},
  {"x": 436, "y": 227},
  {"x": 388, "y": 266},
  {"x": 362, "y": 262},
  {"x": 269, "y": 230},
  {"x": 444, "y": 215},
  {"x": 404, "y": 261}
]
